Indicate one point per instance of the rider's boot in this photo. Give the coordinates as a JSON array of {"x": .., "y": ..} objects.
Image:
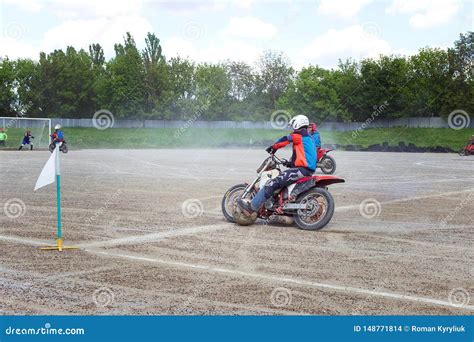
[
  {"x": 245, "y": 205},
  {"x": 31, "y": 147},
  {"x": 20, "y": 148}
]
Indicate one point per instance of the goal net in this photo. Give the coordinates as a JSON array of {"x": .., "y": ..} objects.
[{"x": 15, "y": 128}]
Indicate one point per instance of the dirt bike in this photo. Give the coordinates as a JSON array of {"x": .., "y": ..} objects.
[
  {"x": 326, "y": 163},
  {"x": 63, "y": 147},
  {"x": 307, "y": 200},
  {"x": 467, "y": 150}
]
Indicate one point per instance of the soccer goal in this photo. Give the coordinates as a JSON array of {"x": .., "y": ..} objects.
[{"x": 15, "y": 128}]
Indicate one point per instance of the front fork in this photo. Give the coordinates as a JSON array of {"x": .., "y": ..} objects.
[{"x": 251, "y": 185}]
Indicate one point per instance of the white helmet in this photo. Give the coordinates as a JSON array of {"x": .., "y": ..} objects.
[
  {"x": 57, "y": 127},
  {"x": 299, "y": 121}
]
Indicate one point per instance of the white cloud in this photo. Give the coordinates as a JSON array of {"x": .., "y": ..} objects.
[
  {"x": 353, "y": 41},
  {"x": 342, "y": 8},
  {"x": 83, "y": 22},
  {"x": 426, "y": 13},
  {"x": 25, "y": 5},
  {"x": 17, "y": 49},
  {"x": 250, "y": 27},
  {"x": 91, "y": 8},
  {"x": 214, "y": 52},
  {"x": 105, "y": 31},
  {"x": 243, "y": 3}
]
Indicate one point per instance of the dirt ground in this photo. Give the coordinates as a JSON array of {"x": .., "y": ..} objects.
[{"x": 153, "y": 240}]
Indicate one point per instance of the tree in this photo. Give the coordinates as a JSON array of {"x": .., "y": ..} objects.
[
  {"x": 97, "y": 55},
  {"x": 180, "y": 99},
  {"x": 7, "y": 95},
  {"x": 242, "y": 79},
  {"x": 313, "y": 93},
  {"x": 156, "y": 75},
  {"x": 124, "y": 90},
  {"x": 460, "y": 92},
  {"x": 429, "y": 82},
  {"x": 212, "y": 90},
  {"x": 274, "y": 76},
  {"x": 29, "y": 88}
]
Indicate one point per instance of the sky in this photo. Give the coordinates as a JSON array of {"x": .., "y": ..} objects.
[{"x": 308, "y": 32}]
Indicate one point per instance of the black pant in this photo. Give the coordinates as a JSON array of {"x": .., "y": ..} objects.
[{"x": 285, "y": 178}]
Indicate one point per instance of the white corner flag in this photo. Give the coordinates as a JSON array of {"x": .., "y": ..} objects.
[{"x": 48, "y": 174}]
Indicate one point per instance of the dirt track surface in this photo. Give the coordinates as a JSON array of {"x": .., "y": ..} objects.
[{"x": 153, "y": 239}]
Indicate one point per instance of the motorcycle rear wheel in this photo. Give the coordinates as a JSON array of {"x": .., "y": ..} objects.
[
  {"x": 64, "y": 148},
  {"x": 321, "y": 212}
]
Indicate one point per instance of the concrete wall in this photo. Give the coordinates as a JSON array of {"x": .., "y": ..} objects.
[{"x": 176, "y": 124}]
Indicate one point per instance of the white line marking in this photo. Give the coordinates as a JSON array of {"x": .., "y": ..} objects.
[
  {"x": 261, "y": 276},
  {"x": 26, "y": 241},
  {"x": 290, "y": 280},
  {"x": 441, "y": 166},
  {"x": 407, "y": 199},
  {"x": 128, "y": 240}
]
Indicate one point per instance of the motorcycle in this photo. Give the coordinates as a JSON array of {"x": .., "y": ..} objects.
[
  {"x": 307, "y": 201},
  {"x": 62, "y": 147},
  {"x": 468, "y": 149},
  {"x": 326, "y": 163}
]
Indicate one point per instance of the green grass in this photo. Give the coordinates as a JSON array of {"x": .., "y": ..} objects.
[{"x": 212, "y": 138}]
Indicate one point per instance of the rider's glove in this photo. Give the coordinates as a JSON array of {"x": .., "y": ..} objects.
[{"x": 270, "y": 150}]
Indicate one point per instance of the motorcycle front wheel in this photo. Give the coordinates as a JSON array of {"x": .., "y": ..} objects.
[
  {"x": 229, "y": 200},
  {"x": 328, "y": 165},
  {"x": 320, "y": 209}
]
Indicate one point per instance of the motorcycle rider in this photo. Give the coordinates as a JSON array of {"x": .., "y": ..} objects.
[
  {"x": 302, "y": 163},
  {"x": 58, "y": 135},
  {"x": 313, "y": 131}
]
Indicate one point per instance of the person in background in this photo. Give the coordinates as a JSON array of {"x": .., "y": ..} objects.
[
  {"x": 27, "y": 140},
  {"x": 3, "y": 137},
  {"x": 313, "y": 132}
]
